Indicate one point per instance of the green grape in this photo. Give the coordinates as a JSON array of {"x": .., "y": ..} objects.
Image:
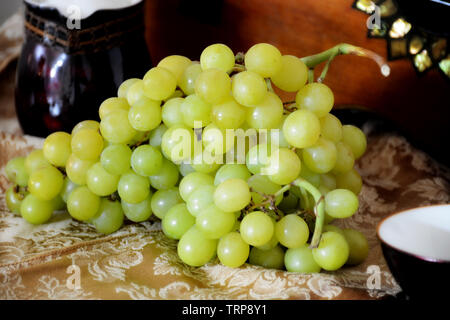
[
  {"x": 292, "y": 75},
  {"x": 83, "y": 204},
  {"x": 232, "y": 251},
  {"x": 45, "y": 183},
  {"x": 261, "y": 184},
  {"x": 200, "y": 199},
  {"x": 269, "y": 259},
  {"x": 125, "y": 86},
  {"x": 330, "y": 227},
  {"x": 193, "y": 181},
  {"x": 292, "y": 231},
  {"x": 232, "y": 195},
  {"x": 163, "y": 200},
  {"x": 301, "y": 128},
  {"x": 264, "y": 59},
  {"x": 177, "y": 221},
  {"x": 315, "y": 97},
  {"x": 34, "y": 161},
  {"x": 300, "y": 260},
  {"x": 86, "y": 124},
  {"x": 35, "y": 210},
  {"x": 57, "y": 149},
  {"x": 206, "y": 162},
  {"x": 116, "y": 158},
  {"x": 77, "y": 168},
  {"x": 100, "y": 181},
  {"x": 345, "y": 159},
  {"x": 139, "y": 138},
  {"x": 138, "y": 212},
  {"x": 175, "y": 64},
  {"x": 289, "y": 202},
  {"x": 248, "y": 88},
  {"x": 311, "y": 176},
  {"x": 185, "y": 169},
  {"x": 341, "y": 203},
  {"x": 266, "y": 114},
  {"x": 258, "y": 157},
  {"x": 133, "y": 188},
  {"x": 217, "y": 141},
  {"x": 331, "y": 128},
  {"x": 228, "y": 114},
  {"x": 195, "y": 249},
  {"x": 58, "y": 203},
  {"x": 155, "y": 136},
  {"x": 217, "y": 56},
  {"x": 350, "y": 180},
  {"x": 213, "y": 86},
  {"x": 167, "y": 177},
  {"x": 324, "y": 190},
  {"x": 177, "y": 143},
  {"x": 159, "y": 83},
  {"x": 171, "y": 112},
  {"x": 215, "y": 223},
  {"x": 275, "y": 135},
  {"x": 136, "y": 92},
  {"x": 16, "y": 172},
  {"x": 145, "y": 115},
  {"x": 67, "y": 188},
  {"x": 111, "y": 105},
  {"x": 187, "y": 80},
  {"x": 232, "y": 170},
  {"x": 146, "y": 160},
  {"x": 355, "y": 139},
  {"x": 109, "y": 217},
  {"x": 87, "y": 144},
  {"x": 116, "y": 128},
  {"x": 272, "y": 243},
  {"x": 196, "y": 112},
  {"x": 321, "y": 157},
  {"x": 257, "y": 228},
  {"x": 328, "y": 180},
  {"x": 358, "y": 246},
  {"x": 332, "y": 252},
  {"x": 14, "y": 198},
  {"x": 284, "y": 166}
]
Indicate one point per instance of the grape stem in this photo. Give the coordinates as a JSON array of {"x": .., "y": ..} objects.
[{"x": 269, "y": 84}]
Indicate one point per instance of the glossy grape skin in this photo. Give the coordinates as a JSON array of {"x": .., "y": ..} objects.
[
  {"x": 100, "y": 181},
  {"x": 266, "y": 114},
  {"x": 232, "y": 251},
  {"x": 57, "y": 148},
  {"x": 145, "y": 115},
  {"x": 276, "y": 137},
  {"x": 171, "y": 112},
  {"x": 206, "y": 162},
  {"x": 332, "y": 252},
  {"x": 292, "y": 75},
  {"x": 228, "y": 114},
  {"x": 269, "y": 259},
  {"x": 177, "y": 221},
  {"x": 16, "y": 172},
  {"x": 258, "y": 157},
  {"x": 358, "y": 245},
  {"x": 301, "y": 260},
  {"x": 264, "y": 59},
  {"x": 350, "y": 180},
  {"x": 135, "y": 93},
  {"x": 195, "y": 111},
  {"x": 116, "y": 128},
  {"x": 146, "y": 160},
  {"x": 111, "y": 105},
  {"x": 341, "y": 203},
  {"x": 301, "y": 128},
  {"x": 14, "y": 199},
  {"x": 133, "y": 188},
  {"x": 155, "y": 136},
  {"x": 330, "y": 227},
  {"x": 45, "y": 183},
  {"x": 262, "y": 184},
  {"x": 34, "y": 161},
  {"x": 309, "y": 175},
  {"x": 35, "y": 210},
  {"x": 232, "y": 195},
  {"x": 86, "y": 124},
  {"x": 215, "y": 223},
  {"x": 284, "y": 166},
  {"x": 248, "y": 88},
  {"x": 316, "y": 97},
  {"x": 167, "y": 177},
  {"x": 163, "y": 200},
  {"x": 76, "y": 169},
  {"x": 200, "y": 199},
  {"x": 125, "y": 86},
  {"x": 193, "y": 181},
  {"x": 217, "y": 56},
  {"x": 217, "y": 141},
  {"x": 232, "y": 170},
  {"x": 213, "y": 86},
  {"x": 345, "y": 159},
  {"x": 109, "y": 217},
  {"x": 320, "y": 157},
  {"x": 292, "y": 231},
  {"x": 272, "y": 243},
  {"x": 177, "y": 143},
  {"x": 116, "y": 158},
  {"x": 138, "y": 212},
  {"x": 355, "y": 139},
  {"x": 195, "y": 249},
  {"x": 176, "y": 64},
  {"x": 67, "y": 188},
  {"x": 331, "y": 127},
  {"x": 256, "y": 228},
  {"x": 83, "y": 204},
  {"x": 185, "y": 169},
  {"x": 159, "y": 83},
  {"x": 187, "y": 80},
  {"x": 328, "y": 180}
]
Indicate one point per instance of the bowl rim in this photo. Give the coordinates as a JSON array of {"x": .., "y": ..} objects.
[{"x": 418, "y": 256}]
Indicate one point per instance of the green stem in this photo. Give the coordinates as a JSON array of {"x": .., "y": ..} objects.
[
  {"x": 269, "y": 84},
  {"x": 282, "y": 190},
  {"x": 311, "y": 75},
  {"x": 325, "y": 69},
  {"x": 319, "y": 209}
]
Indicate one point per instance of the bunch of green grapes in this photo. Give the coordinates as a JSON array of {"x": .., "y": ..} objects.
[{"x": 167, "y": 147}]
